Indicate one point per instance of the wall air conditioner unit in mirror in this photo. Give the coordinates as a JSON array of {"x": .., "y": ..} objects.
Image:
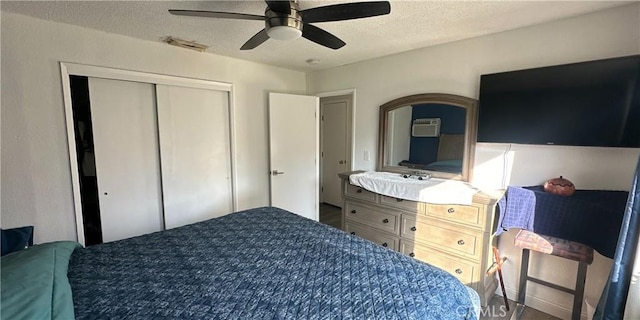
[{"x": 426, "y": 127}]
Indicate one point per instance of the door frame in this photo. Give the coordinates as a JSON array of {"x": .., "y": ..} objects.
[
  {"x": 351, "y": 125},
  {"x": 350, "y": 133},
  {"x": 68, "y": 69}
]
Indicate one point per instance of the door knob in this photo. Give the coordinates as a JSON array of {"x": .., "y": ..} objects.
[
  {"x": 342, "y": 161},
  {"x": 276, "y": 172}
]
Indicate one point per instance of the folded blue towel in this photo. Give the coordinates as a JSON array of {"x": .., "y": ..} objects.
[{"x": 517, "y": 209}]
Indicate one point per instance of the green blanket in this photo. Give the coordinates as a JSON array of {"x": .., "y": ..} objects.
[{"x": 34, "y": 282}]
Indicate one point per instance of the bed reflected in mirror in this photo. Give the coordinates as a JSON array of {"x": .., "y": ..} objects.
[
  {"x": 428, "y": 132},
  {"x": 427, "y": 136}
]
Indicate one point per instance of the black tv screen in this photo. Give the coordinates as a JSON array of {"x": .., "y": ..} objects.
[{"x": 595, "y": 103}]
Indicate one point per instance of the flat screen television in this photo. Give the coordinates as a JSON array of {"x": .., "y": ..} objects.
[{"x": 594, "y": 103}]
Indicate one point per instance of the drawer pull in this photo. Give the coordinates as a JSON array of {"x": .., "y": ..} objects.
[
  {"x": 359, "y": 191},
  {"x": 353, "y": 232},
  {"x": 458, "y": 271},
  {"x": 412, "y": 254},
  {"x": 461, "y": 242},
  {"x": 385, "y": 221},
  {"x": 385, "y": 244},
  {"x": 413, "y": 229},
  {"x": 399, "y": 200},
  {"x": 353, "y": 211},
  {"x": 451, "y": 210}
]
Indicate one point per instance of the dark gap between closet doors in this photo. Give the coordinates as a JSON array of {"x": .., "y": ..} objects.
[{"x": 83, "y": 129}]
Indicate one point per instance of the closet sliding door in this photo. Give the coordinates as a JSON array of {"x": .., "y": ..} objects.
[
  {"x": 195, "y": 155},
  {"x": 162, "y": 147},
  {"x": 125, "y": 136}
]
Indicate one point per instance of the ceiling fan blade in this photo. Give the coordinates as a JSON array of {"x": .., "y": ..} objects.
[
  {"x": 321, "y": 37},
  {"x": 279, "y": 6},
  {"x": 346, "y": 11},
  {"x": 256, "y": 40},
  {"x": 215, "y": 14}
]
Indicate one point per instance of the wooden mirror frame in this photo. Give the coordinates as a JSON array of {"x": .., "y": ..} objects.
[{"x": 471, "y": 107}]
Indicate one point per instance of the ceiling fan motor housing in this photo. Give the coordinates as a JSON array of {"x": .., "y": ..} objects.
[{"x": 282, "y": 26}]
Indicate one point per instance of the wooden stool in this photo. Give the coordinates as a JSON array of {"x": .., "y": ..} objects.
[{"x": 528, "y": 240}]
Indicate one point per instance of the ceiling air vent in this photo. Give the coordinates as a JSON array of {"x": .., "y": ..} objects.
[{"x": 186, "y": 44}]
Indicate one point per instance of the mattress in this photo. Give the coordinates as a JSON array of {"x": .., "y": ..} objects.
[{"x": 263, "y": 263}]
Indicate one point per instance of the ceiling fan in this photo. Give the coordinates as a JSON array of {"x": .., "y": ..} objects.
[{"x": 285, "y": 21}]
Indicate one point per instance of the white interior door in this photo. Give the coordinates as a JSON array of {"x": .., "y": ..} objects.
[
  {"x": 334, "y": 115},
  {"x": 123, "y": 114},
  {"x": 195, "y": 154},
  {"x": 294, "y": 150}
]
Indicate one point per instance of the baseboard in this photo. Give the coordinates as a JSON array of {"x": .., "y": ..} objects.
[{"x": 546, "y": 306}]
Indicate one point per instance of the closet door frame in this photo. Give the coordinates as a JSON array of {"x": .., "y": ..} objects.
[{"x": 73, "y": 69}]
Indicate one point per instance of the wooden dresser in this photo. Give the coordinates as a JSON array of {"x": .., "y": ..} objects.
[{"x": 456, "y": 238}]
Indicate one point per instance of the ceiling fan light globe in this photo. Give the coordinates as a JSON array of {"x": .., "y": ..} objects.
[{"x": 284, "y": 33}]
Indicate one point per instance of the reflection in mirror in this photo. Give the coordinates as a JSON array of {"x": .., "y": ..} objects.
[
  {"x": 426, "y": 136},
  {"x": 428, "y": 132}
]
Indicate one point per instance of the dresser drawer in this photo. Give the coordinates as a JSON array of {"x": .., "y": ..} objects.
[
  {"x": 409, "y": 205},
  {"x": 386, "y": 221},
  {"x": 359, "y": 193},
  {"x": 457, "y": 213},
  {"x": 457, "y": 240},
  {"x": 463, "y": 270},
  {"x": 373, "y": 235}
]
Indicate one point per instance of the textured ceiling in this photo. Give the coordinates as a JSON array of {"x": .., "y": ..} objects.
[{"x": 411, "y": 25}]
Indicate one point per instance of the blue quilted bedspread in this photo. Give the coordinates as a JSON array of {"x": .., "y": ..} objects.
[{"x": 263, "y": 263}]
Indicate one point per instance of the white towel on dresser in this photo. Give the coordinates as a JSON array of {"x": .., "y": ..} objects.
[{"x": 439, "y": 191}]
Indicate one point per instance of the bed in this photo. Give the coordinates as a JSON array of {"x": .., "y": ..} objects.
[
  {"x": 449, "y": 158},
  {"x": 263, "y": 263}
]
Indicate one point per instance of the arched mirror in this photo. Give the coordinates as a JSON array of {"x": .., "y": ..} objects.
[{"x": 432, "y": 132}]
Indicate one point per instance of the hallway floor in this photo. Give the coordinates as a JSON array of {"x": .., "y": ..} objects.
[{"x": 330, "y": 215}]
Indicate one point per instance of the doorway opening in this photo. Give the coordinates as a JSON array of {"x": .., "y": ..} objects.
[{"x": 335, "y": 153}]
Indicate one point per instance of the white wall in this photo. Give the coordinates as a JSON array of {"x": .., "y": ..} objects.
[
  {"x": 36, "y": 179},
  {"x": 456, "y": 68}
]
